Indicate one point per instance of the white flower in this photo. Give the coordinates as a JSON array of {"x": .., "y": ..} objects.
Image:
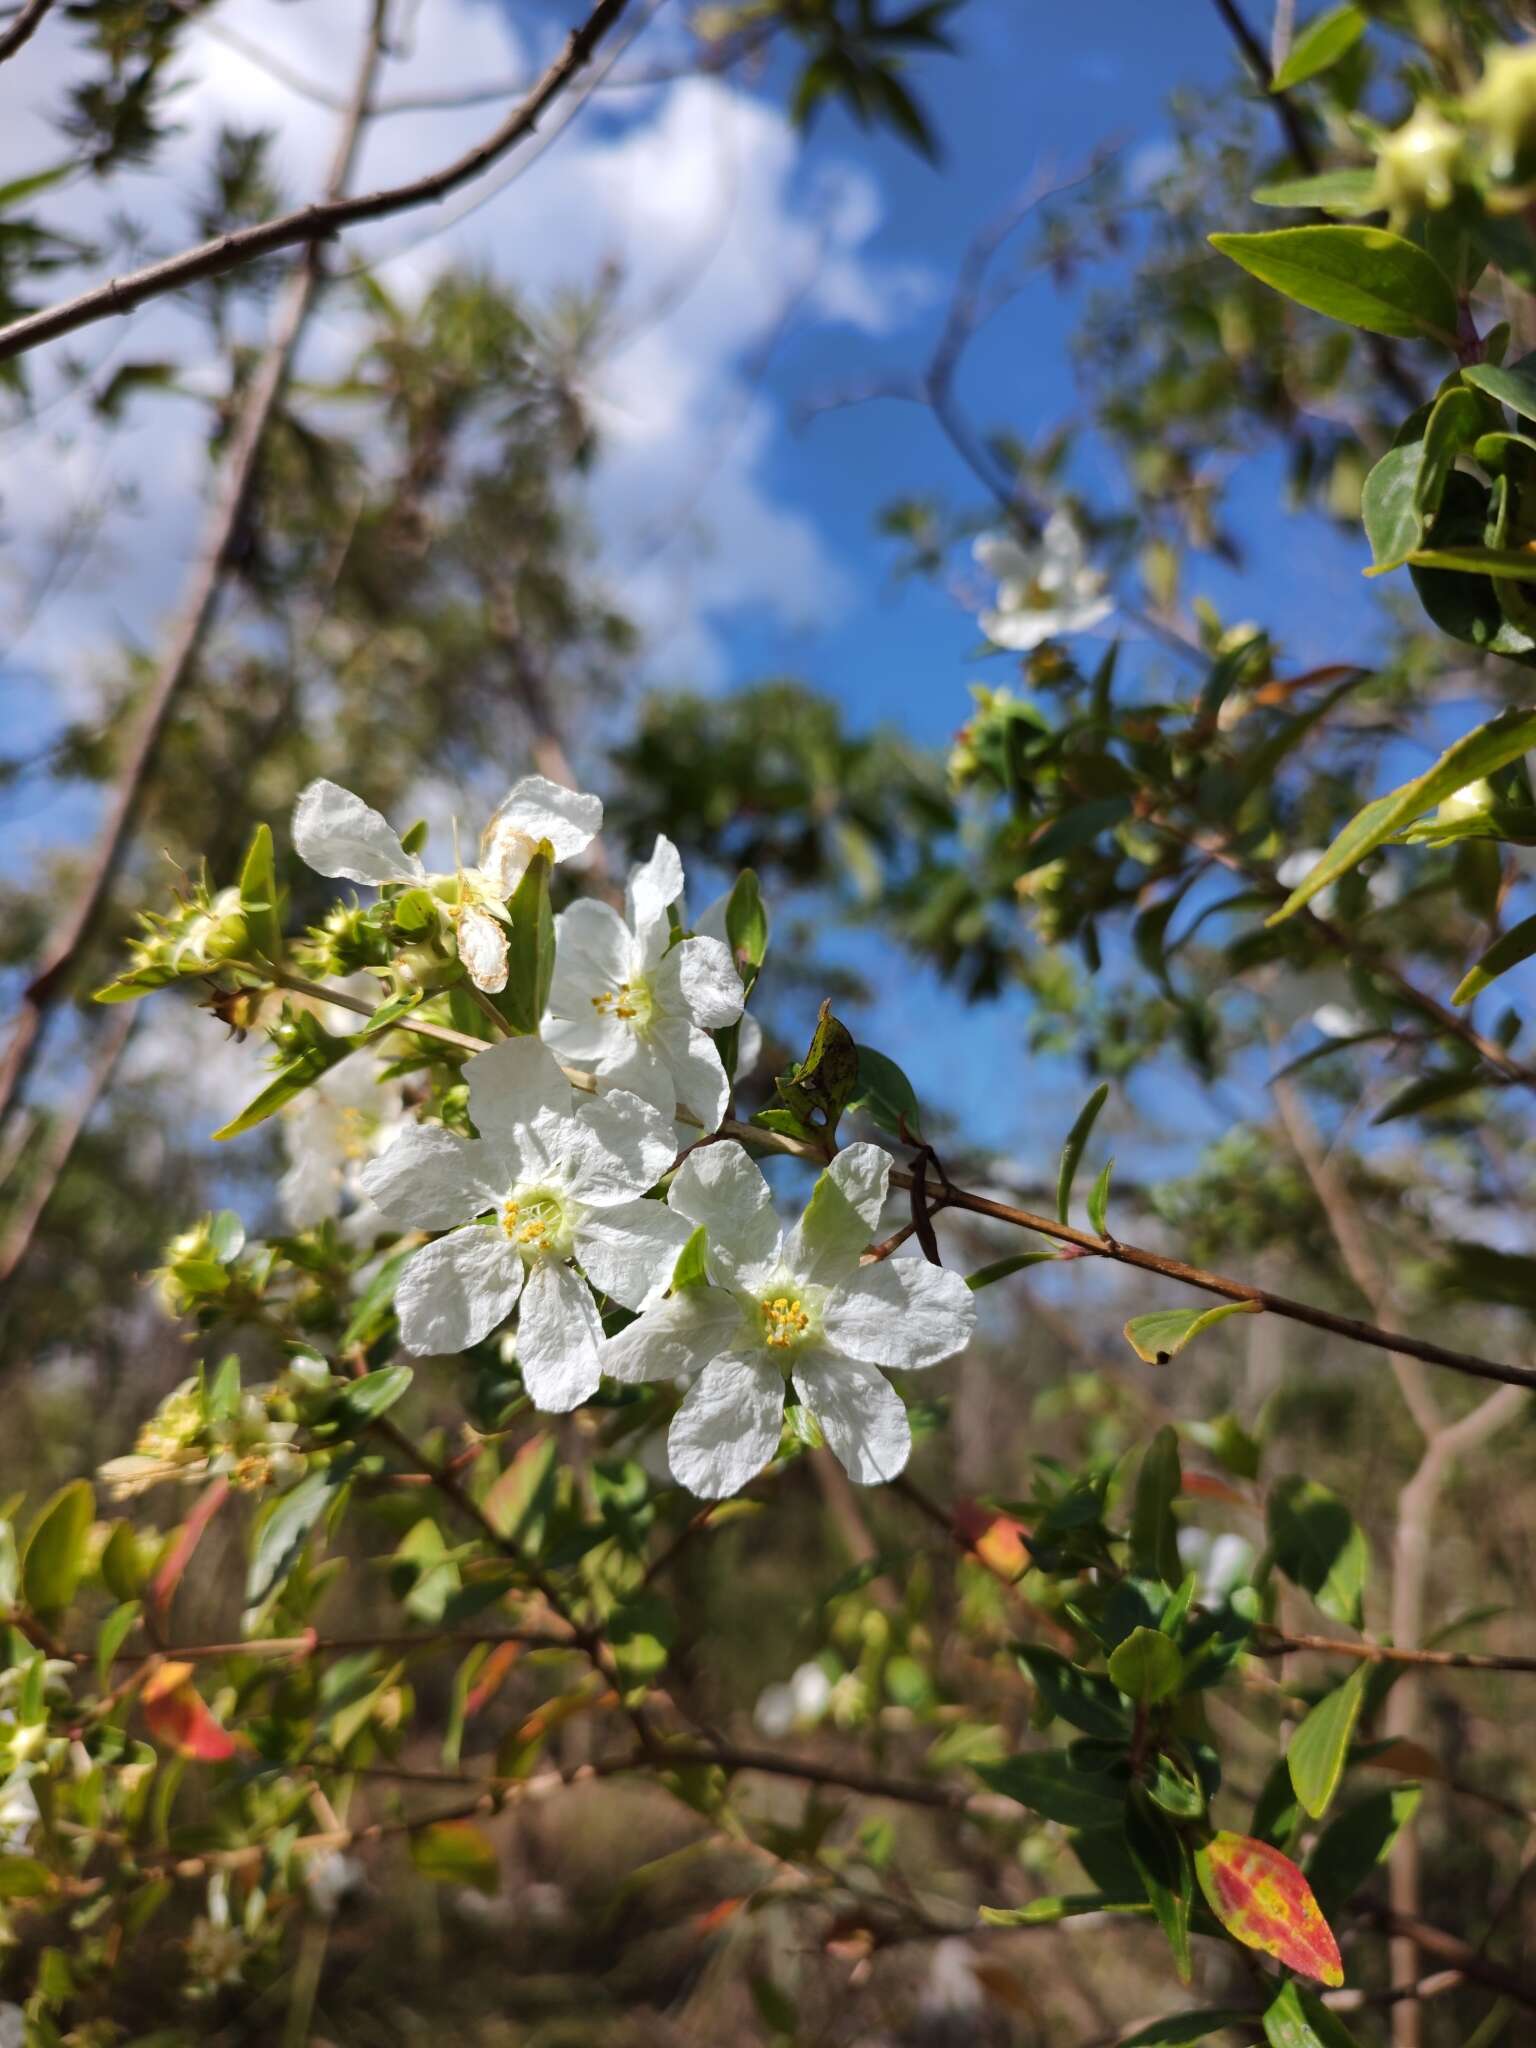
[
  {"x": 636, "y": 1010},
  {"x": 559, "y": 1182},
  {"x": 790, "y": 1305},
  {"x": 1338, "y": 1020},
  {"x": 330, "y": 1878},
  {"x": 803, "y": 1700},
  {"x": 337, "y": 834},
  {"x": 348, "y": 1116},
  {"x": 13, "y": 2026},
  {"x": 1045, "y": 592}
]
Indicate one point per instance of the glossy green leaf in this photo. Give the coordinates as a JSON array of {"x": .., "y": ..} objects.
[
  {"x": 1320, "y": 45},
  {"x": 284, "y": 1527},
  {"x": 293, "y": 1078},
  {"x": 1098, "y": 1200},
  {"x": 530, "y": 949},
  {"x": 1365, "y": 277},
  {"x": 885, "y": 1094},
  {"x": 1507, "y": 951},
  {"x": 1050, "y": 1784},
  {"x": 999, "y": 1269},
  {"x": 1359, "y": 1839},
  {"x": 1453, "y": 425},
  {"x": 1147, "y": 1666},
  {"x": 1518, "y": 563},
  {"x": 1318, "y": 1545},
  {"x": 1071, "y": 1694},
  {"x": 258, "y": 896},
  {"x": 1389, "y": 506},
  {"x": 1299, "y": 2019},
  {"x": 1046, "y": 1912},
  {"x": 692, "y": 1267},
  {"x": 1162, "y": 1333},
  {"x": 746, "y": 926},
  {"x": 54, "y": 1555},
  {"x": 1163, "y": 1863},
  {"x": 1180, "y": 2029},
  {"x": 1479, "y": 753},
  {"x": 1072, "y": 1151},
  {"x": 1317, "y": 1751},
  {"x": 1154, "y": 1531},
  {"x": 1514, "y": 387},
  {"x": 363, "y": 1400}
]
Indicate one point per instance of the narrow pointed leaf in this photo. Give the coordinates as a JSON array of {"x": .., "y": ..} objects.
[
  {"x": 1362, "y": 276},
  {"x": 1072, "y": 1151},
  {"x": 1517, "y": 944},
  {"x": 1317, "y": 1751},
  {"x": 1320, "y": 45}
]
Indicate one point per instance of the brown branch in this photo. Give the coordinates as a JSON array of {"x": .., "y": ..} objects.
[
  {"x": 317, "y": 222},
  {"x": 58, "y": 1146},
  {"x": 1277, "y": 1641},
  {"x": 23, "y": 28},
  {"x": 1451, "y": 1949},
  {"x": 258, "y": 407}
]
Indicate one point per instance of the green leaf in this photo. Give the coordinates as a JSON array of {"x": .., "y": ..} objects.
[
  {"x": 1163, "y": 1863},
  {"x": 1514, "y": 387},
  {"x": 1072, "y": 1151},
  {"x": 1507, "y": 951},
  {"x": 1046, "y": 1912},
  {"x": 1050, "y": 1784},
  {"x": 1389, "y": 506},
  {"x": 1299, "y": 2019},
  {"x": 1180, "y": 2029},
  {"x": 1477, "y": 754},
  {"x": 111, "y": 1636},
  {"x": 456, "y": 1852},
  {"x": 1071, "y": 1694},
  {"x": 517, "y": 1502},
  {"x": 1365, "y": 277},
  {"x": 258, "y": 896},
  {"x": 1319, "y": 46},
  {"x": 34, "y": 181},
  {"x": 1316, "y": 1753},
  {"x": 1016, "y": 1262},
  {"x": 692, "y": 1269},
  {"x": 284, "y": 1528},
  {"x": 1318, "y": 1545},
  {"x": 746, "y": 926},
  {"x": 363, "y": 1400},
  {"x": 1162, "y": 1333},
  {"x": 375, "y": 1302},
  {"x": 885, "y": 1094},
  {"x": 818, "y": 1088},
  {"x": 293, "y": 1077},
  {"x": 1454, "y": 423},
  {"x": 1429, "y": 1092},
  {"x": 1341, "y": 191},
  {"x": 1516, "y": 563},
  {"x": 530, "y": 949},
  {"x": 1098, "y": 1200},
  {"x": 1147, "y": 1666},
  {"x": 1154, "y": 1532},
  {"x": 53, "y": 1557},
  {"x": 1351, "y": 1846}
]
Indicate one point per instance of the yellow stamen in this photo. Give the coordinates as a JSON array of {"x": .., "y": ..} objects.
[{"x": 785, "y": 1320}]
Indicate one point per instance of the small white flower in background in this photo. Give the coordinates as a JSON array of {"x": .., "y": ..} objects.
[
  {"x": 19, "y": 1815},
  {"x": 330, "y": 1130},
  {"x": 1337, "y": 1020},
  {"x": 1221, "y": 1562},
  {"x": 338, "y": 835},
  {"x": 560, "y": 1182},
  {"x": 330, "y": 1878},
  {"x": 634, "y": 1009},
  {"x": 801, "y": 1702},
  {"x": 785, "y": 1305},
  {"x": 1043, "y": 593},
  {"x": 13, "y": 2026}
]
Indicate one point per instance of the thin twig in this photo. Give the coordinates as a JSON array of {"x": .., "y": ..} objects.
[{"x": 23, "y": 28}]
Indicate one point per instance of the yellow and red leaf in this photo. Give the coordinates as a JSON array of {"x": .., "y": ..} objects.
[
  {"x": 1263, "y": 1901},
  {"x": 177, "y": 1715}
]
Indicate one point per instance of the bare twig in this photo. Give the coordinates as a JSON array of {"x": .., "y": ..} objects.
[
  {"x": 58, "y": 1145},
  {"x": 23, "y": 28},
  {"x": 317, "y": 222}
]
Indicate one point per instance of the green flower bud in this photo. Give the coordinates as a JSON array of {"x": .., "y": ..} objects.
[
  {"x": 1503, "y": 106},
  {"x": 1418, "y": 165}
]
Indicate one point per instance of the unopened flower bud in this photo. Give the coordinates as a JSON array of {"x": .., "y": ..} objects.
[
  {"x": 1417, "y": 165},
  {"x": 1503, "y": 106}
]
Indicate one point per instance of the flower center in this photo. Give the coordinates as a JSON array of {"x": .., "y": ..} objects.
[
  {"x": 536, "y": 1222},
  {"x": 785, "y": 1321},
  {"x": 630, "y": 1002}
]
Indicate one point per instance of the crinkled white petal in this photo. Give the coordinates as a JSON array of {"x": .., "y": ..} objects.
[
  {"x": 639, "y": 1066},
  {"x": 1003, "y": 558},
  {"x": 842, "y": 1215},
  {"x": 559, "y": 1335},
  {"x": 901, "y": 1313},
  {"x": 654, "y": 885},
  {"x": 594, "y": 953},
  {"x": 678, "y": 1336},
  {"x": 483, "y": 948},
  {"x": 337, "y": 834},
  {"x": 613, "y": 1149},
  {"x": 728, "y": 1426},
  {"x": 630, "y": 1250},
  {"x": 703, "y": 976},
  {"x": 860, "y": 1412},
  {"x": 718, "y": 1186},
  {"x": 456, "y": 1290},
  {"x": 310, "y": 1190},
  {"x": 516, "y": 1091},
  {"x": 431, "y": 1179},
  {"x": 541, "y": 809},
  {"x": 597, "y": 1041},
  {"x": 698, "y": 1076}
]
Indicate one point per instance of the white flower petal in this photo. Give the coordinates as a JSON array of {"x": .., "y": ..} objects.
[
  {"x": 1019, "y": 630},
  {"x": 860, "y": 1412},
  {"x": 653, "y": 886},
  {"x": 749, "y": 1046},
  {"x": 614, "y": 1149},
  {"x": 704, "y": 975},
  {"x": 698, "y": 1077},
  {"x": 629, "y": 1251},
  {"x": 558, "y": 1338},
  {"x": 337, "y": 834},
  {"x": 430, "y": 1179},
  {"x": 728, "y": 1426},
  {"x": 483, "y": 948},
  {"x": 902, "y": 1313},
  {"x": 640, "y": 1067},
  {"x": 842, "y": 1215},
  {"x": 541, "y": 809},
  {"x": 456, "y": 1291},
  {"x": 1003, "y": 558},
  {"x": 516, "y": 1089},
  {"x": 678, "y": 1336},
  {"x": 596, "y": 1042},
  {"x": 310, "y": 1190},
  {"x": 594, "y": 953},
  {"x": 718, "y": 1186}
]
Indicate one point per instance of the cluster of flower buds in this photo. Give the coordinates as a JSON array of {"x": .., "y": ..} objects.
[
  {"x": 1486, "y": 138},
  {"x": 201, "y": 933},
  {"x": 211, "y": 1430}
]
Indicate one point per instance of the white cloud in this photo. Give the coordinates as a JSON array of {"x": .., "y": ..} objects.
[{"x": 693, "y": 190}]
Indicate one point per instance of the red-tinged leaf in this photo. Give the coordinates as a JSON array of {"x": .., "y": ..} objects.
[
  {"x": 177, "y": 1716},
  {"x": 1263, "y": 1901},
  {"x": 1408, "y": 1759},
  {"x": 998, "y": 1540},
  {"x": 1206, "y": 1486},
  {"x": 190, "y": 1534},
  {"x": 715, "y": 1918},
  {"x": 492, "y": 1674}
]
